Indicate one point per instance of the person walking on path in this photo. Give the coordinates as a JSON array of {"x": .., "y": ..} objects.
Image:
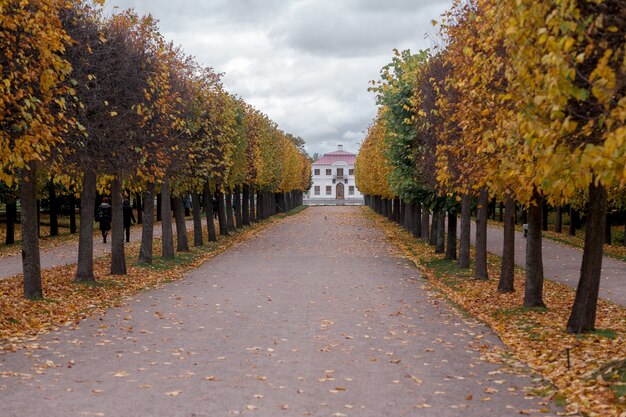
[
  {"x": 104, "y": 218},
  {"x": 129, "y": 218}
]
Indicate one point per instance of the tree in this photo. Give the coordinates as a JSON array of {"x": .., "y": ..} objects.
[{"x": 32, "y": 109}]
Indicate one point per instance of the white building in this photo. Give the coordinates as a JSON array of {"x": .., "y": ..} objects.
[{"x": 333, "y": 179}]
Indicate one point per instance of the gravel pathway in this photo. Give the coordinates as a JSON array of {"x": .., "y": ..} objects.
[{"x": 316, "y": 316}]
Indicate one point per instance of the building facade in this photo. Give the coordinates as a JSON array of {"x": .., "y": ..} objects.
[{"x": 333, "y": 178}]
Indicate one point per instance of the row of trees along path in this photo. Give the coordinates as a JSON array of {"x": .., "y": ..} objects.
[
  {"x": 522, "y": 102},
  {"x": 103, "y": 104}
]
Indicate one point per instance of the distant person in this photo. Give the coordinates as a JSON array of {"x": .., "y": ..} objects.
[
  {"x": 129, "y": 218},
  {"x": 104, "y": 218},
  {"x": 215, "y": 207}
]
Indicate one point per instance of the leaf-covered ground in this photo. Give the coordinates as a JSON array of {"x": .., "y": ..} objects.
[
  {"x": 594, "y": 380},
  {"x": 67, "y": 302}
]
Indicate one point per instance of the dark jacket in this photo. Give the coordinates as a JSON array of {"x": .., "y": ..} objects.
[
  {"x": 129, "y": 217},
  {"x": 104, "y": 216}
]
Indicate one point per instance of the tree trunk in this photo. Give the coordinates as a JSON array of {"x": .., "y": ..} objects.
[
  {"x": 533, "y": 294},
  {"x": 506, "y": 283},
  {"x": 425, "y": 223},
  {"x": 433, "y": 227},
  {"x": 260, "y": 207},
  {"x": 31, "y": 263},
  {"x": 147, "y": 227},
  {"x": 608, "y": 239},
  {"x": 390, "y": 209},
  {"x": 466, "y": 227},
  {"x": 196, "y": 210},
  {"x": 558, "y": 221},
  {"x": 440, "y": 245},
  {"x": 159, "y": 210},
  {"x": 118, "y": 258},
  {"x": 84, "y": 268},
  {"x": 278, "y": 200},
  {"x": 11, "y": 207},
  {"x": 72, "y": 200},
  {"x": 54, "y": 209},
  {"x": 253, "y": 214},
  {"x": 501, "y": 216},
  {"x": 383, "y": 207},
  {"x": 480, "y": 264},
  {"x": 221, "y": 213},
  {"x": 139, "y": 202},
  {"x": 230, "y": 220},
  {"x": 238, "y": 206},
  {"x": 544, "y": 214},
  {"x": 417, "y": 220},
  {"x": 167, "y": 236},
  {"x": 451, "y": 248},
  {"x": 573, "y": 221},
  {"x": 583, "y": 316},
  {"x": 38, "y": 218},
  {"x": 181, "y": 227},
  {"x": 207, "y": 197},
  {"x": 245, "y": 205}
]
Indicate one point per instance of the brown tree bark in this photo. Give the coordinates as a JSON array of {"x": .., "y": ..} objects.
[
  {"x": 11, "y": 208},
  {"x": 433, "y": 228},
  {"x": 452, "y": 226},
  {"x": 465, "y": 238},
  {"x": 253, "y": 214},
  {"x": 147, "y": 227},
  {"x": 221, "y": 213},
  {"x": 72, "y": 201},
  {"x": 118, "y": 258},
  {"x": 544, "y": 214},
  {"x": 506, "y": 283},
  {"x": 245, "y": 205},
  {"x": 207, "y": 198},
  {"x": 440, "y": 244},
  {"x": 159, "y": 210},
  {"x": 167, "y": 236},
  {"x": 480, "y": 263},
  {"x": 573, "y": 221},
  {"x": 417, "y": 220},
  {"x": 84, "y": 265},
  {"x": 608, "y": 239},
  {"x": 583, "y": 316},
  {"x": 260, "y": 206},
  {"x": 533, "y": 293},
  {"x": 138, "y": 199},
  {"x": 196, "y": 211},
  {"x": 558, "y": 221},
  {"x": 230, "y": 219},
  {"x": 54, "y": 209},
  {"x": 425, "y": 226},
  {"x": 182, "y": 245},
  {"x": 31, "y": 263},
  {"x": 238, "y": 206}
]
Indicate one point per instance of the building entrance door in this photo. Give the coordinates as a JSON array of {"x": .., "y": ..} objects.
[{"x": 340, "y": 194}]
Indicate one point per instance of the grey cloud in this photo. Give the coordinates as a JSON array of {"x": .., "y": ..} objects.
[{"x": 305, "y": 63}]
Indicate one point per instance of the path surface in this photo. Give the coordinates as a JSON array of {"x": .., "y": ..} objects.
[
  {"x": 67, "y": 253},
  {"x": 561, "y": 263},
  {"x": 316, "y": 316}
]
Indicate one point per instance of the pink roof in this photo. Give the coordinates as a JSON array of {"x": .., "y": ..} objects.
[{"x": 332, "y": 157}]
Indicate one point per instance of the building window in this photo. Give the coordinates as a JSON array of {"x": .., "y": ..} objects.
[
  {"x": 351, "y": 172},
  {"x": 316, "y": 172},
  {"x": 339, "y": 172},
  {"x": 317, "y": 190},
  {"x": 329, "y": 172},
  {"x": 351, "y": 190},
  {"x": 329, "y": 190}
]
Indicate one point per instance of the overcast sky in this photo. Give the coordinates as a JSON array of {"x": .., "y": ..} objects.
[{"x": 304, "y": 63}]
